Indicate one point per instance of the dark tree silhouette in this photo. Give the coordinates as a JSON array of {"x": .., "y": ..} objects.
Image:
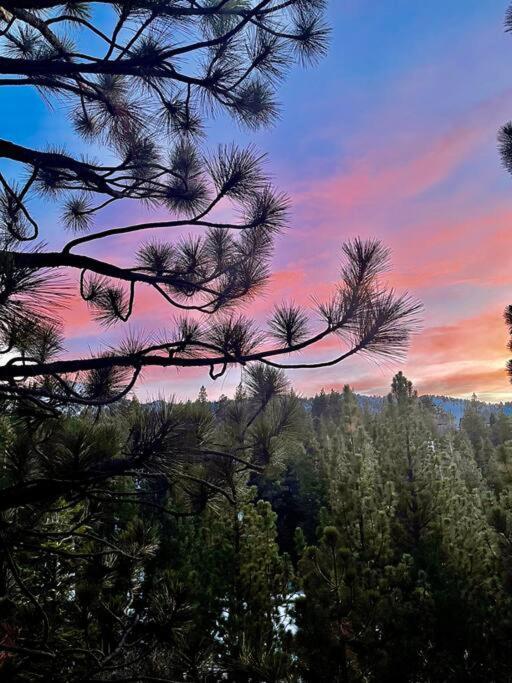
[
  {"x": 505, "y": 149},
  {"x": 158, "y": 70}
]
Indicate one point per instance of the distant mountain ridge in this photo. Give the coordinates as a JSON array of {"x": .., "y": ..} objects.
[
  {"x": 374, "y": 404},
  {"x": 456, "y": 406},
  {"x": 453, "y": 406}
]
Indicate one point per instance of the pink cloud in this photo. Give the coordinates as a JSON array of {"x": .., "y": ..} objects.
[{"x": 400, "y": 168}]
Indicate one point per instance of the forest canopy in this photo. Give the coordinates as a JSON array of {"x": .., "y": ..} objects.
[{"x": 339, "y": 545}]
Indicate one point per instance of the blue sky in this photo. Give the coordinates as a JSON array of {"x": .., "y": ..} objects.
[{"x": 391, "y": 135}]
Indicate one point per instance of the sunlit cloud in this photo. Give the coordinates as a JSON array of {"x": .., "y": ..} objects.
[{"x": 395, "y": 141}]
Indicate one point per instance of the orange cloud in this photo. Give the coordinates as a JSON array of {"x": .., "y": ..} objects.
[
  {"x": 468, "y": 382},
  {"x": 484, "y": 335}
]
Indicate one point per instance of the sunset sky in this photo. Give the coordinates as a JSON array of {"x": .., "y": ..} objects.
[{"x": 392, "y": 135}]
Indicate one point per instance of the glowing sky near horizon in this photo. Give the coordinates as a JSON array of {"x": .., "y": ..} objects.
[{"x": 392, "y": 135}]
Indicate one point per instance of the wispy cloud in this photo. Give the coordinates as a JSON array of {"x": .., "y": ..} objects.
[{"x": 412, "y": 162}]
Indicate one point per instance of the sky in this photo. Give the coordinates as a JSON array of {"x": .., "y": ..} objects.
[{"x": 392, "y": 135}]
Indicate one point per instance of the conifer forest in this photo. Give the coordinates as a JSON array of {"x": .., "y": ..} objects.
[{"x": 255, "y": 408}]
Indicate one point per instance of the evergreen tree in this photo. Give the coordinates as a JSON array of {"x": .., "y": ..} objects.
[
  {"x": 203, "y": 395},
  {"x": 141, "y": 72}
]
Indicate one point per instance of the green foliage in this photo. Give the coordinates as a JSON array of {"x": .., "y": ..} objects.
[{"x": 260, "y": 539}]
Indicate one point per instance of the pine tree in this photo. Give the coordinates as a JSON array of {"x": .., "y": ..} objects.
[
  {"x": 140, "y": 73},
  {"x": 203, "y": 395},
  {"x": 99, "y": 578}
]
